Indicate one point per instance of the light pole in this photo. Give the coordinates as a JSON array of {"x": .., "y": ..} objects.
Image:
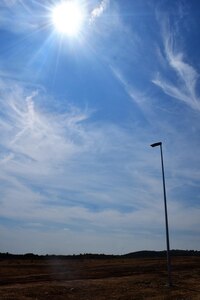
[{"x": 166, "y": 216}]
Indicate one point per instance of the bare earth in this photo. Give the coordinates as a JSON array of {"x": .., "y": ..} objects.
[{"x": 98, "y": 279}]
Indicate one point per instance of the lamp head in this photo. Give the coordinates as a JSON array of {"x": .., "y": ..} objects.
[{"x": 156, "y": 144}]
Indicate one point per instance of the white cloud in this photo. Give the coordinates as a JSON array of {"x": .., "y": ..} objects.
[
  {"x": 60, "y": 170},
  {"x": 33, "y": 134},
  {"x": 99, "y": 10},
  {"x": 137, "y": 96},
  {"x": 61, "y": 150},
  {"x": 187, "y": 77}
]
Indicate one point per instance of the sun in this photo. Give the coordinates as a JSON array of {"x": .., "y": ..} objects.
[{"x": 68, "y": 17}]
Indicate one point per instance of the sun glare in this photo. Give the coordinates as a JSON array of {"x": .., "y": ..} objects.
[{"x": 68, "y": 17}]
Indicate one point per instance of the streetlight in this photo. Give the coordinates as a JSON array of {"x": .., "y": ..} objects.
[{"x": 166, "y": 217}]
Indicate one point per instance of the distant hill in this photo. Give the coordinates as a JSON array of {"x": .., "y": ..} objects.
[
  {"x": 138, "y": 254},
  {"x": 145, "y": 253}
]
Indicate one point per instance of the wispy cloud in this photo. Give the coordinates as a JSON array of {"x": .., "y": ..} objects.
[
  {"x": 30, "y": 133},
  {"x": 137, "y": 96},
  {"x": 58, "y": 169},
  {"x": 184, "y": 89},
  {"x": 64, "y": 169},
  {"x": 99, "y": 10},
  {"x": 61, "y": 170}
]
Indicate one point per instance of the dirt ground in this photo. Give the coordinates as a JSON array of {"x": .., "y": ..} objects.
[{"x": 98, "y": 279}]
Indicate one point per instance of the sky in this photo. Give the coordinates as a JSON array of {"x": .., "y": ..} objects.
[{"x": 77, "y": 117}]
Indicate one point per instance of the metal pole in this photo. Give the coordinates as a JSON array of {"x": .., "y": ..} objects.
[
  {"x": 166, "y": 216},
  {"x": 166, "y": 221}
]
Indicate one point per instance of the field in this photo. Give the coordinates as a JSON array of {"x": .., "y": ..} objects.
[{"x": 97, "y": 279}]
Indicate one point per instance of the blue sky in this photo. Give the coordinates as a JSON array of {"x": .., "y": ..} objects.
[{"x": 77, "y": 116}]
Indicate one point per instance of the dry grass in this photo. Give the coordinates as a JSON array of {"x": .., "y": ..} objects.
[{"x": 98, "y": 279}]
